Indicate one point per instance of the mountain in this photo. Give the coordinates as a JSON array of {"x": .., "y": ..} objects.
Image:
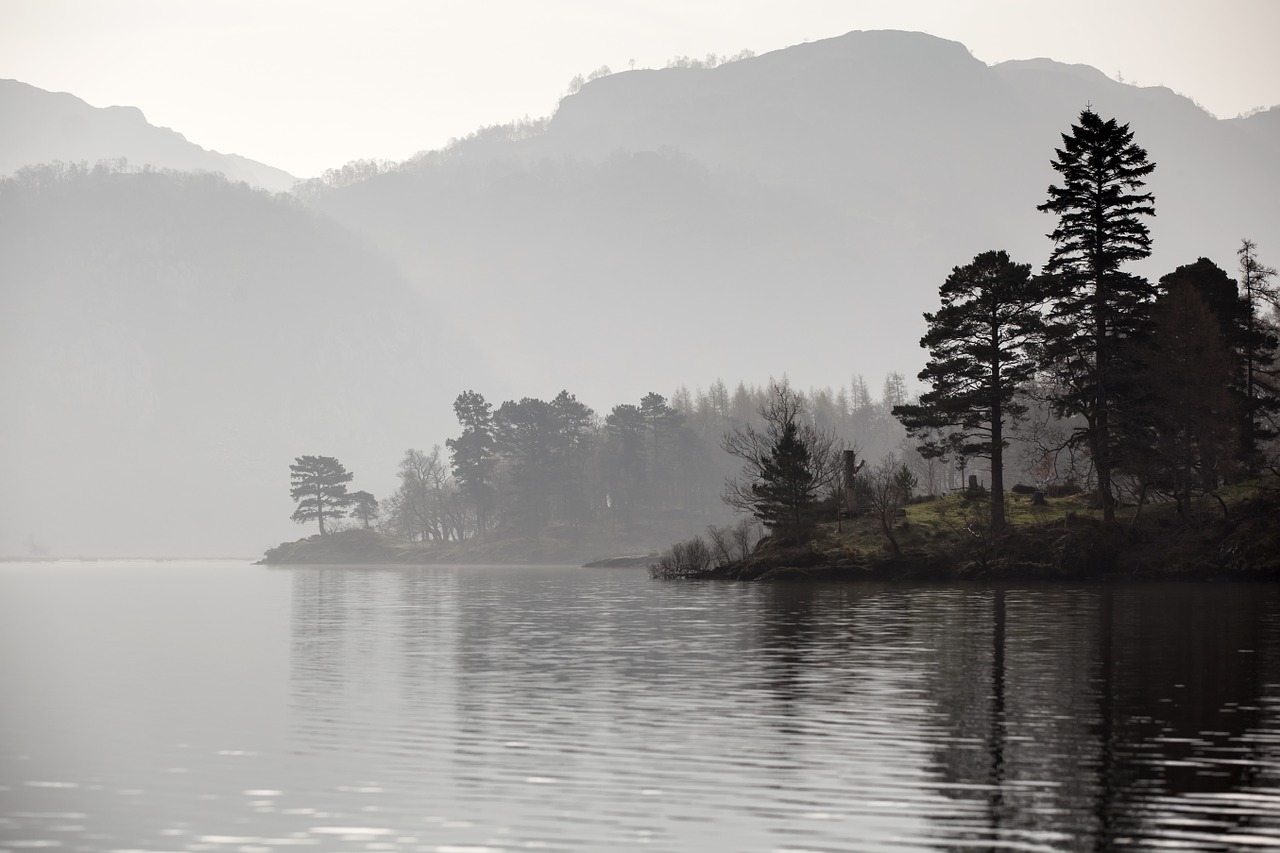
[
  {"x": 169, "y": 343},
  {"x": 40, "y": 127},
  {"x": 792, "y": 213}
]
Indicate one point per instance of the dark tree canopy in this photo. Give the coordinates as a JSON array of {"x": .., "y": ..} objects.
[
  {"x": 319, "y": 485},
  {"x": 1183, "y": 437},
  {"x": 785, "y": 465},
  {"x": 1248, "y": 347},
  {"x": 364, "y": 506},
  {"x": 1095, "y": 308},
  {"x": 979, "y": 345},
  {"x": 526, "y": 435},
  {"x": 475, "y": 454},
  {"x": 785, "y": 489}
]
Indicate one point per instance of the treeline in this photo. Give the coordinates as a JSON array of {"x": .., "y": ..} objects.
[
  {"x": 1164, "y": 389},
  {"x": 649, "y": 467}
]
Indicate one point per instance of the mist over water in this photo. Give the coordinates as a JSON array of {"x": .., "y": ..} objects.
[{"x": 501, "y": 708}]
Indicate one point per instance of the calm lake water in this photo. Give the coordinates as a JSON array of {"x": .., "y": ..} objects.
[{"x": 222, "y": 706}]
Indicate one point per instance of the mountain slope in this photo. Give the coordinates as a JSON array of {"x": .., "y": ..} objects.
[
  {"x": 40, "y": 127},
  {"x": 168, "y": 344},
  {"x": 793, "y": 212}
]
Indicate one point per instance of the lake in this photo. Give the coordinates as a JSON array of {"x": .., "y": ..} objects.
[{"x": 224, "y": 706}]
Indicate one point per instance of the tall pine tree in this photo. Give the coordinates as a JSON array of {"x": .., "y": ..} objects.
[
  {"x": 1262, "y": 405},
  {"x": 1096, "y": 310},
  {"x": 319, "y": 485},
  {"x": 978, "y": 342},
  {"x": 474, "y": 454},
  {"x": 785, "y": 489}
]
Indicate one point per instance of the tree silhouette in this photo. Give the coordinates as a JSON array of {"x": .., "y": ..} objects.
[
  {"x": 785, "y": 490},
  {"x": 785, "y": 466},
  {"x": 1095, "y": 308},
  {"x": 474, "y": 454},
  {"x": 978, "y": 344},
  {"x": 319, "y": 485},
  {"x": 1262, "y": 402},
  {"x": 364, "y": 506},
  {"x": 1186, "y": 411}
]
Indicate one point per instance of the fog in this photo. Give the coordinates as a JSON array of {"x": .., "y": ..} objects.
[{"x": 172, "y": 340}]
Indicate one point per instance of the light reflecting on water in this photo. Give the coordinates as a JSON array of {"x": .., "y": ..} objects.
[{"x": 232, "y": 707}]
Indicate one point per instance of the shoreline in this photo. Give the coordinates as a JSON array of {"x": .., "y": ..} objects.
[{"x": 1155, "y": 544}]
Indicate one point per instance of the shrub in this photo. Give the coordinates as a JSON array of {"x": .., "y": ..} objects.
[{"x": 688, "y": 559}]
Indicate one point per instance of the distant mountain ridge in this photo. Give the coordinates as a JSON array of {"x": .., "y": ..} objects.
[
  {"x": 792, "y": 212},
  {"x": 37, "y": 126}
]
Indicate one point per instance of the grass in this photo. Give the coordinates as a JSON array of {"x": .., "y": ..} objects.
[{"x": 940, "y": 524}]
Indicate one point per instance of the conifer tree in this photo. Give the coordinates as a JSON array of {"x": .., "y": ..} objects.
[
  {"x": 785, "y": 465},
  {"x": 1096, "y": 309},
  {"x": 978, "y": 342},
  {"x": 474, "y": 454},
  {"x": 785, "y": 489},
  {"x": 364, "y": 506},
  {"x": 1262, "y": 405},
  {"x": 319, "y": 485}
]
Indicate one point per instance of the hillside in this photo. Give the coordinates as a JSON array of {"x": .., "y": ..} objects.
[
  {"x": 169, "y": 343},
  {"x": 42, "y": 127},
  {"x": 793, "y": 212}
]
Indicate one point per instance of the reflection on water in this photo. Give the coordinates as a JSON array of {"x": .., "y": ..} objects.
[{"x": 557, "y": 708}]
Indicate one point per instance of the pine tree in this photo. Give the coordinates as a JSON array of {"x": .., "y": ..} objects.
[
  {"x": 978, "y": 344},
  {"x": 1095, "y": 309},
  {"x": 1262, "y": 404},
  {"x": 474, "y": 454},
  {"x": 785, "y": 465},
  {"x": 525, "y": 436},
  {"x": 319, "y": 485},
  {"x": 785, "y": 489},
  {"x": 364, "y": 506}
]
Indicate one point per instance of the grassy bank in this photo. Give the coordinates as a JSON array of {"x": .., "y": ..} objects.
[{"x": 1064, "y": 539}]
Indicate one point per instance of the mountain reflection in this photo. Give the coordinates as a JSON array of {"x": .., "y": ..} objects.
[{"x": 601, "y": 707}]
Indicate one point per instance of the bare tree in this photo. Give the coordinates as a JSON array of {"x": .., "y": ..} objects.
[
  {"x": 745, "y": 535},
  {"x": 885, "y": 490}
]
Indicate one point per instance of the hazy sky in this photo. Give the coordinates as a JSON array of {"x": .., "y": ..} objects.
[{"x": 310, "y": 84}]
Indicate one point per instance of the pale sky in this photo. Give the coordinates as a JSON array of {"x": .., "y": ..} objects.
[{"x": 310, "y": 84}]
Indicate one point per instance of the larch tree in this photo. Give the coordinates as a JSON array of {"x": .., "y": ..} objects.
[
  {"x": 319, "y": 485},
  {"x": 1096, "y": 310},
  {"x": 979, "y": 345}
]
